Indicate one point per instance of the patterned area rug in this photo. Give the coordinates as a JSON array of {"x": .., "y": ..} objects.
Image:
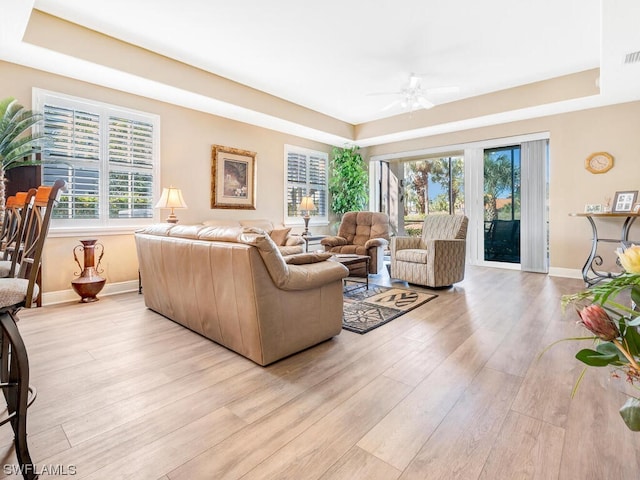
[{"x": 365, "y": 309}]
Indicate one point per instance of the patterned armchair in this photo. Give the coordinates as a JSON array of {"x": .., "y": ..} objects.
[
  {"x": 362, "y": 233},
  {"x": 436, "y": 259}
]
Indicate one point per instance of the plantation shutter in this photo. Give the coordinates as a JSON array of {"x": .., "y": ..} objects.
[
  {"x": 306, "y": 175},
  {"x": 108, "y": 156},
  {"x": 130, "y": 168},
  {"x": 74, "y": 151}
]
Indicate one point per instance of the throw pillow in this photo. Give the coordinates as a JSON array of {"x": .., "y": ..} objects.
[
  {"x": 304, "y": 258},
  {"x": 279, "y": 235}
]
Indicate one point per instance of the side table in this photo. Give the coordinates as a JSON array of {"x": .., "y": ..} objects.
[
  {"x": 358, "y": 266},
  {"x": 311, "y": 239}
]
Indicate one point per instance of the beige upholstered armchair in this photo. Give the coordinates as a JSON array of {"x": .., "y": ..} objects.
[
  {"x": 437, "y": 258},
  {"x": 362, "y": 233}
]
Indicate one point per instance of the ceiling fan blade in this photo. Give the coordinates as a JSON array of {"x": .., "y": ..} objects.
[
  {"x": 391, "y": 105},
  {"x": 383, "y": 93},
  {"x": 424, "y": 103},
  {"x": 442, "y": 90}
]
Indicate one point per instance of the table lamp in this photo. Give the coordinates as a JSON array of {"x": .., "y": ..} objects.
[
  {"x": 171, "y": 198},
  {"x": 306, "y": 205}
]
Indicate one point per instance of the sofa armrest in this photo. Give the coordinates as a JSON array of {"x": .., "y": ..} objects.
[
  {"x": 446, "y": 252},
  {"x": 401, "y": 243},
  {"x": 313, "y": 275},
  {"x": 376, "y": 242},
  {"x": 333, "y": 241}
]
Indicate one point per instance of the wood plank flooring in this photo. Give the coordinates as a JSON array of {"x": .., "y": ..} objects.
[{"x": 451, "y": 390}]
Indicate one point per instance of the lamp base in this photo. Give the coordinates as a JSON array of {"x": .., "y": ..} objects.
[
  {"x": 306, "y": 232},
  {"x": 172, "y": 219}
]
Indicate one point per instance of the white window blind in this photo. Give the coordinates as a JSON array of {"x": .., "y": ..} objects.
[
  {"x": 107, "y": 155},
  {"x": 306, "y": 175}
]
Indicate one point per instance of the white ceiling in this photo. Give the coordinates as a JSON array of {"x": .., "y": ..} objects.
[{"x": 330, "y": 56}]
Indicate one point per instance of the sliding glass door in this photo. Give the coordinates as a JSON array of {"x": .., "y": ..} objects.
[{"x": 502, "y": 205}]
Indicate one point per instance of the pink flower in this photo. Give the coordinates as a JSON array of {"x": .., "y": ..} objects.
[{"x": 597, "y": 321}]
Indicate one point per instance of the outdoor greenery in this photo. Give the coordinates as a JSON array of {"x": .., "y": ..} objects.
[
  {"x": 448, "y": 173},
  {"x": 498, "y": 177},
  {"x": 418, "y": 174},
  {"x": 349, "y": 181}
]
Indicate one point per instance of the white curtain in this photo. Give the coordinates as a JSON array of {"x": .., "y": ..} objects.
[{"x": 534, "y": 255}]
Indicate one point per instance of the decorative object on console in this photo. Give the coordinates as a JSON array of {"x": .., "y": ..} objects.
[
  {"x": 233, "y": 178},
  {"x": 171, "y": 198},
  {"x": 623, "y": 201},
  {"x": 599, "y": 162},
  {"x": 593, "y": 208},
  {"x": 306, "y": 205},
  {"x": 89, "y": 282}
]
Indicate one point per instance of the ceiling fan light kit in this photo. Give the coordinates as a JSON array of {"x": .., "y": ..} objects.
[{"x": 414, "y": 97}]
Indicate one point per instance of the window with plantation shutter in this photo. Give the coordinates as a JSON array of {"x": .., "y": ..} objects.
[
  {"x": 106, "y": 154},
  {"x": 306, "y": 176}
]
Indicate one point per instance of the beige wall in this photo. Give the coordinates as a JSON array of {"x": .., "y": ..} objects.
[
  {"x": 186, "y": 139},
  {"x": 187, "y": 136},
  {"x": 573, "y": 136}
]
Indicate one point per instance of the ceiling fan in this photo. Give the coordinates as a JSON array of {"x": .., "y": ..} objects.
[{"x": 413, "y": 96}]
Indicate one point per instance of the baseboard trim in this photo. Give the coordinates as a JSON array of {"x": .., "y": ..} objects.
[
  {"x": 565, "y": 272},
  {"x": 65, "y": 296}
]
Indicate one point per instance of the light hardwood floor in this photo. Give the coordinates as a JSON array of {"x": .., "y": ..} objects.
[{"x": 452, "y": 389}]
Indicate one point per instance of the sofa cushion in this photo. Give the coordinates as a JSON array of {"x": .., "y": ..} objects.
[
  {"x": 305, "y": 258},
  {"x": 279, "y": 235}
]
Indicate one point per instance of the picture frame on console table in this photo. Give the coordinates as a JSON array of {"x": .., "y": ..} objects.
[
  {"x": 623, "y": 202},
  {"x": 233, "y": 178}
]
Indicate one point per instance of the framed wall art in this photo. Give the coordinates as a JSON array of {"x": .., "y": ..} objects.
[
  {"x": 233, "y": 178},
  {"x": 623, "y": 202}
]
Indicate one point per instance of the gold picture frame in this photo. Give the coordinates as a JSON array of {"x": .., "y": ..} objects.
[{"x": 233, "y": 178}]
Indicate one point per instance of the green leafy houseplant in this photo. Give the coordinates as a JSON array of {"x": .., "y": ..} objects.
[
  {"x": 614, "y": 327},
  {"x": 349, "y": 181},
  {"x": 17, "y": 145}
]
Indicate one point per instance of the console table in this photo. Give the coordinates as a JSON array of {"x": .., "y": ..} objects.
[{"x": 590, "y": 275}]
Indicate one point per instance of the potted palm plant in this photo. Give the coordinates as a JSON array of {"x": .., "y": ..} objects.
[{"x": 18, "y": 145}]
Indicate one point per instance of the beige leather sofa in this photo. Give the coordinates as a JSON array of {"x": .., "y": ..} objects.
[
  {"x": 287, "y": 244},
  {"x": 233, "y": 286}
]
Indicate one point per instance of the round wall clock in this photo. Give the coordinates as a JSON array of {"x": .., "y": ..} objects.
[{"x": 599, "y": 162}]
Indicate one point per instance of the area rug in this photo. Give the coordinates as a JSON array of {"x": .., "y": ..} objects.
[{"x": 365, "y": 309}]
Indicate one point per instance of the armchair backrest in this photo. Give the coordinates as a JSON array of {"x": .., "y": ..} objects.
[
  {"x": 445, "y": 227},
  {"x": 358, "y": 227}
]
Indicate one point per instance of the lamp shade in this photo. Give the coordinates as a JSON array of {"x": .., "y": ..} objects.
[
  {"x": 171, "y": 198},
  {"x": 306, "y": 204}
]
